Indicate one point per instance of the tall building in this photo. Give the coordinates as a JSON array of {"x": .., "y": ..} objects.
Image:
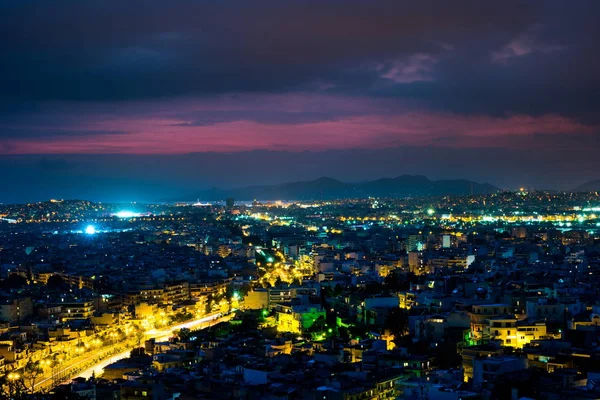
[
  {"x": 446, "y": 241},
  {"x": 15, "y": 310},
  {"x": 519, "y": 232},
  {"x": 415, "y": 262},
  {"x": 414, "y": 243}
]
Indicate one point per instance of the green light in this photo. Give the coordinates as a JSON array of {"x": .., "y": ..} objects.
[
  {"x": 265, "y": 312},
  {"x": 329, "y": 330},
  {"x": 270, "y": 259},
  {"x": 431, "y": 211}
]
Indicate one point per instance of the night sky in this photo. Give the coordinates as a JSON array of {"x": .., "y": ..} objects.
[{"x": 142, "y": 100}]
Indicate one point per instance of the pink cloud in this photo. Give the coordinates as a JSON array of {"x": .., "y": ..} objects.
[
  {"x": 524, "y": 45},
  {"x": 148, "y": 128},
  {"x": 415, "y": 68}
]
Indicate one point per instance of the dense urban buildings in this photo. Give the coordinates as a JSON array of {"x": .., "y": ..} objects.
[
  {"x": 475, "y": 297},
  {"x": 299, "y": 200}
]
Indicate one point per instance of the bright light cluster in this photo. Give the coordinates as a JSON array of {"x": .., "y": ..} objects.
[{"x": 127, "y": 214}]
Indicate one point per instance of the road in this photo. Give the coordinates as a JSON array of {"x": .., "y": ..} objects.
[{"x": 72, "y": 371}]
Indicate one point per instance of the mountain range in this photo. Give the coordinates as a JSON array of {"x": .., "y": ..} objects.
[
  {"x": 591, "y": 186},
  {"x": 326, "y": 188}
]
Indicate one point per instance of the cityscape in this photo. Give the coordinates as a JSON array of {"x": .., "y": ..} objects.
[
  {"x": 470, "y": 296},
  {"x": 299, "y": 200}
]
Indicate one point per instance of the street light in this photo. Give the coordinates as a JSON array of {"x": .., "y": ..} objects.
[
  {"x": 46, "y": 363},
  {"x": 13, "y": 376}
]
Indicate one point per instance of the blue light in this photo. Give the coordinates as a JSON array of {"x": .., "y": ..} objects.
[
  {"x": 90, "y": 230},
  {"x": 127, "y": 214}
]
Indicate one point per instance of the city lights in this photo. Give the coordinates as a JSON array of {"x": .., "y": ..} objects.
[
  {"x": 331, "y": 200},
  {"x": 406, "y": 250},
  {"x": 127, "y": 214}
]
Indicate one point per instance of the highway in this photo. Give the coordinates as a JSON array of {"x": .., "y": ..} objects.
[{"x": 71, "y": 370}]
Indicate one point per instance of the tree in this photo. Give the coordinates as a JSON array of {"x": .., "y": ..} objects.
[
  {"x": 344, "y": 333},
  {"x": 137, "y": 352},
  {"x": 397, "y": 322},
  {"x": 31, "y": 372},
  {"x": 55, "y": 282},
  {"x": 11, "y": 388},
  {"x": 372, "y": 289},
  {"x": 338, "y": 290},
  {"x": 183, "y": 334},
  {"x": 4, "y": 386},
  {"x": 398, "y": 282},
  {"x": 139, "y": 335},
  {"x": 208, "y": 305},
  {"x": 14, "y": 281},
  {"x": 318, "y": 325},
  {"x": 255, "y": 240},
  {"x": 357, "y": 331},
  {"x": 249, "y": 322}
]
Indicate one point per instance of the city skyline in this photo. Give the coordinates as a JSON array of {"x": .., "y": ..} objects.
[
  {"x": 117, "y": 101},
  {"x": 300, "y": 200}
]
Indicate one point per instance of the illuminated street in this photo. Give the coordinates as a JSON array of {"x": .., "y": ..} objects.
[{"x": 158, "y": 335}]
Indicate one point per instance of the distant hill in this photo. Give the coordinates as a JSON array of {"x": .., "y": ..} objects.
[
  {"x": 591, "y": 186},
  {"x": 329, "y": 188}
]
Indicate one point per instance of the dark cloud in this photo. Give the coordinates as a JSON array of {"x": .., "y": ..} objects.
[
  {"x": 263, "y": 117},
  {"x": 462, "y": 55},
  {"x": 40, "y": 133},
  {"x": 115, "y": 50}
]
